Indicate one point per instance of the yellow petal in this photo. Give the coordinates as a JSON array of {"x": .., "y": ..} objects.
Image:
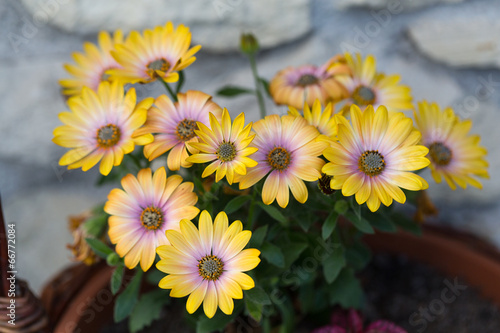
[
  {"x": 226, "y": 303},
  {"x": 106, "y": 163},
  {"x": 270, "y": 189},
  {"x": 298, "y": 188},
  {"x": 353, "y": 184},
  {"x": 245, "y": 281},
  {"x": 244, "y": 261},
  {"x": 373, "y": 202},
  {"x": 196, "y": 297},
  {"x": 206, "y": 231},
  {"x": 192, "y": 236},
  {"x": 237, "y": 244},
  {"x": 210, "y": 302}
]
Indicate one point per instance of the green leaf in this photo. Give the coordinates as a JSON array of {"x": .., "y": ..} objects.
[
  {"x": 273, "y": 254},
  {"x": 265, "y": 85},
  {"x": 287, "y": 313},
  {"x": 274, "y": 213},
  {"x": 101, "y": 249},
  {"x": 95, "y": 225},
  {"x": 360, "y": 223},
  {"x": 358, "y": 255},
  {"x": 218, "y": 322},
  {"x": 147, "y": 310},
  {"x": 231, "y": 91},
  {"x": 305, "y": 218},
  {"x": 254, "y": 309},
  {"x": 306, "y": 294},
  {"x": 333, "y": 264},
  {"x": 209, "y": 196},
  {"x": 292, "y": 251},
  {"x": 234, "y": 204},
  {"x": 382, "y": 223},
  {"x": 126, "y": 301},
  {"x": 346, "y": 290},
  {"x": 117, "y": 278},
  {"x": 329, "y": 224},
  {"x": 257, "y": 295},
  {"x": 258, "y": 237}
]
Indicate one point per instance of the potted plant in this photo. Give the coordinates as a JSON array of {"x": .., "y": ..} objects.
[{"x": 202, "y": 208}]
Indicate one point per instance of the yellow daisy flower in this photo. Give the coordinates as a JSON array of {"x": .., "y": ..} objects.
[
  {"x": 225, "y": 145},
  {"x": 90, "y": 67},
  {"x": 101, "y": 127},
  {"x": 367, "y": 87},
  {"x": 208, "y": 263},
  {"x": 455, "y": 155},
  {"x": 289, "y": 150},
  {"x": 174, "y": 125},
  {"x": 147, "y": 206},
  {"x": 158, "y": 53},
  {"x": 305, "y": 84},
  {"x": 324, "y": 121},
  {"x": 374, "y": 156}
]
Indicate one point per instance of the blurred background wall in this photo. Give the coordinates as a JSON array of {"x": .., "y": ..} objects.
[{"x": 447, "y": 51}]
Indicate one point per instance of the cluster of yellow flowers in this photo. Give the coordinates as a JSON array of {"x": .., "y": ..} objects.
[{"x": 367, "y": 149}]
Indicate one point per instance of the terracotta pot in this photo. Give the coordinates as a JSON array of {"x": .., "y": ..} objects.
[
  {"x": 87, "y": 303},
  {"x": 78, "y": 299},
  {"x": 451, "y": 252}
]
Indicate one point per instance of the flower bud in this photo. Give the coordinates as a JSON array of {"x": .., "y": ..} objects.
[
  {"x": 324, "y": 184},
  {"x": 113, "y": 259},
  {"x": 249, "y": 44}
]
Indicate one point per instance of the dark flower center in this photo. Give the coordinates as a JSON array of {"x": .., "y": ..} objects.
[
  {"x": 107, "y": 136},
  {"x": 151, "y": 218},
  {"x": 307, "y": 80},
  {"x": 440, "y": 154},
  {"x": 363, "y": 96},
  {"x": 278, "y": 158},
  {"x": 157, "y": 65},
  {"x": 185, "y": 129},
  {"x": 372, "y": 163},
  {"x": 104, "y": 76},
  {"x": 210, "y": 267},
  {"x": 226, "y": 151}
]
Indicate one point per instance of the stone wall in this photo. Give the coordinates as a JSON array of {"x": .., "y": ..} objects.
[{"x": 447, "y": 51}]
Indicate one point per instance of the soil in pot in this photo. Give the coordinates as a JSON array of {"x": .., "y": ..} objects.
[{"x": 421, "y": 299}]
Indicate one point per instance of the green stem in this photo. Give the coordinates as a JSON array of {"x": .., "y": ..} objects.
[
  {"x": 251, "y": 209},
  {"x": 258, "y": 90},
  {"x": 180, "y": 83},
  {"x": 170, "y": 91}
]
